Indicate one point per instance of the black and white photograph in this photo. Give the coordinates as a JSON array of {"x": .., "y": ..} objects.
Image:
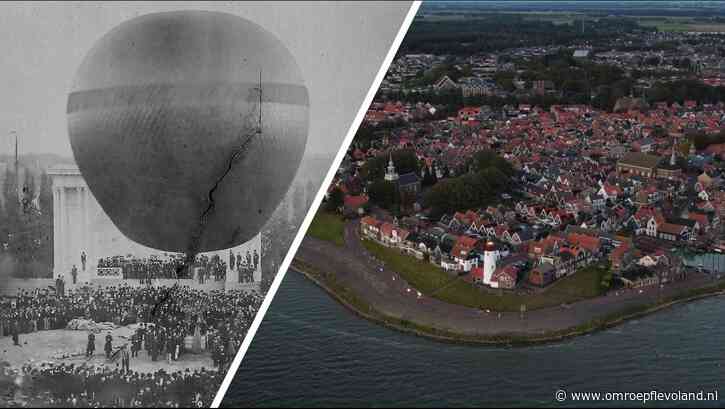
[{"x": 156, "y": 162}]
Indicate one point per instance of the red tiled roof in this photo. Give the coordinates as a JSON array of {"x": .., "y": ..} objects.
[
  {"x": 699, "y": 218},
  {"x": 355, "y": 202},
  {"x": 386, "y": 229},
  {"x": 618, "y": 252},
  {"x": 590, "y": 243},
  {"x": 670, "y": 228},
  {"x": 370, "y": 221}
]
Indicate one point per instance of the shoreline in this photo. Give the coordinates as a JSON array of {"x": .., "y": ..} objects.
[{"x": 355, "y": 305}]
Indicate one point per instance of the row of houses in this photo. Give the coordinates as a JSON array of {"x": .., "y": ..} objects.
[{"x": 561, "y": 255}]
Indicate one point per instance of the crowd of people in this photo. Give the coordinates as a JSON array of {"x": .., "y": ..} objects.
[
  {"x": 176, "y": 310},
  {"x": 87, "y": 386},
  {"x": 166, "y": 316},
  {"x": 169, "y": 267},
  {"x": 246, "y": 265},
  {"x": 172, "y": 266}
]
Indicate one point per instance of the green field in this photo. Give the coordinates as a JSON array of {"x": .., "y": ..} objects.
[
  {"x": 662, "y": 23},
  {"x": 684, "y": 24},
  {"x": 433, "y": 281},
  {"x": 329, "y": 227}
]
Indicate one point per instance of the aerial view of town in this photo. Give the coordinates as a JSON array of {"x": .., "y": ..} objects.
[{"x": 524, "y": 176}]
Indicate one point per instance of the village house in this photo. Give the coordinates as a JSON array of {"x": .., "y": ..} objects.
[
  {"x": 638, "y": 164},
  {"x": 462, "y": 253},
  {"x": 370, "y": 227},
  {"x": 593, "y": 185},
  {"x": 391, "y": 235},
  {"x": 542, "y": 275},
  {"x": 355, "y": 205}
]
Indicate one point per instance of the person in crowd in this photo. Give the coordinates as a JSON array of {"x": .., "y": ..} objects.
[
  {"x": 219, "y": 318},
  {"x": 135, "y": 346},
  {"x": 68, "y": 385},
  {"x": 168, "y": 348},
  {"x": 74, "y": 274},
  {"x": 154, "y": 347},
  {"x": 125, "y": 360},
  {"x": 108, "y": 347},
  {"x": 59, "y": 285},
  {"x": 171, "y": 267},
  {"x": 16, "y": 333},
  {"x": 91, "y": 345}
]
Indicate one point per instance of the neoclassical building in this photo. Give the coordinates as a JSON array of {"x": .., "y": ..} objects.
[{"x": 80, "y": 226}]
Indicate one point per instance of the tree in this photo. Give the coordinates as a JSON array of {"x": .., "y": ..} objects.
[
  {"x": 429, "y": 177},
  {"x": 384, "y": 193},
  {"x": 703, "y": 140},
  {"x": 505, "y": 80},
  {"x": 11, "y": 199},
  {"x": 46, "y": 196},
  {"x": 488, "y": 159},
  {"x": 489, "y": 176},
  {"x": 653, "y": 60},
  {"x": 335, "y": 200}
]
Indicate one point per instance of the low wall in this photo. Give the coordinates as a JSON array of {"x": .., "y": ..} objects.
[{"x": 11, "y": 286}]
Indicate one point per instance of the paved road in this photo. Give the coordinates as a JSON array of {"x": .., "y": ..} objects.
[{"x": 391, "y": 295}]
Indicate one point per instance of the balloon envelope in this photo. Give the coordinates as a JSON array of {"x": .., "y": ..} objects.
[{"x": 174, "y": 137}]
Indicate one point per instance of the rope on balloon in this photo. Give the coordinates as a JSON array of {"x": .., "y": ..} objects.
[{"x": 194, "y": 242}]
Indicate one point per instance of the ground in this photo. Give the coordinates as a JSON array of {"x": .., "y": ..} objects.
[
  {"x": 435, "y": 282},
  {"x": 327, "y": 226},
  {"x": 67, "y": 346},
  {"x": 381, "y": 290}
]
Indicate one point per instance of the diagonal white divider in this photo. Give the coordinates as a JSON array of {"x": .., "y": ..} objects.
[{"x": 315, "y": 204}]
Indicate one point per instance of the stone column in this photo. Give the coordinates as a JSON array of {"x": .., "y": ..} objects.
[
  {"x": 84, "y": 275},
  {"x": 62, "y": 232},
  {"x": 56, "y": 232}
]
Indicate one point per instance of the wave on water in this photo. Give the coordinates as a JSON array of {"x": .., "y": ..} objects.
[
  {"x": 342, "y": 360},
  {"x": 325, "y": 329}
]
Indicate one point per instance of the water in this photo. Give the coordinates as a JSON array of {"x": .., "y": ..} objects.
[
  {"x": 710, "y": 262},
  {"x": 310, "y": 351}
]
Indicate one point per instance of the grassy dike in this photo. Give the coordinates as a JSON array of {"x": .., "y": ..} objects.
[
  {"x": 329, "y": 227},
  {"x": 434, "y": 282},
  {"x": 360, "y": 307}
]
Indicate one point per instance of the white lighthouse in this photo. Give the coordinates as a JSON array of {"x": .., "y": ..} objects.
[{"x": 490, "y": 256}]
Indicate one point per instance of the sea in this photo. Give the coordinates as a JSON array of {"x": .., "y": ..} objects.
[{"x": 310, "y": 351}]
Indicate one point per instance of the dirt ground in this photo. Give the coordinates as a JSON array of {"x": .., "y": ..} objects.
[{"x": 67, "y": 346}]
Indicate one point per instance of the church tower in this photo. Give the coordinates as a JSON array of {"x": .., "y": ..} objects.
[{"x": 390, "y": 174}]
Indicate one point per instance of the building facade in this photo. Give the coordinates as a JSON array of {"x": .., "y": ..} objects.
[{"x": 83, "y": 234}]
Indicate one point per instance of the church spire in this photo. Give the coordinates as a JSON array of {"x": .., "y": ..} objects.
[{"x": 390, "y": 174}]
